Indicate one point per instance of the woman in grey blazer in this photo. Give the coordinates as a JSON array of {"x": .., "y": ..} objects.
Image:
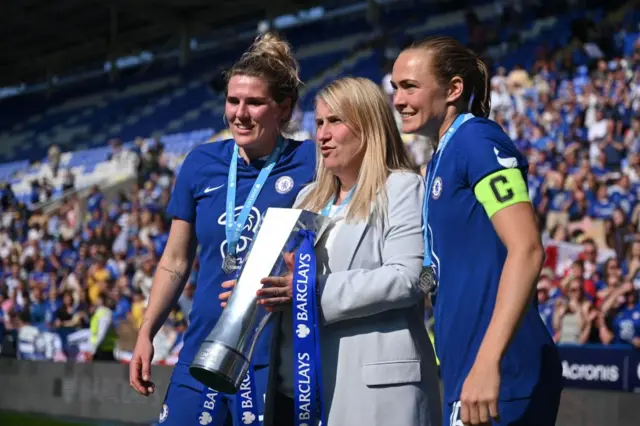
[{"x": 378, "y": 365}]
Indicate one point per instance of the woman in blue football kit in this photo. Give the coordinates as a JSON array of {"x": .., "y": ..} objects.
[
  {"x": 483, "y": 250},
  {"x": 222, "y": 192}
]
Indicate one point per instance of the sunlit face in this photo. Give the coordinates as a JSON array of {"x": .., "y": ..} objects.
[
  {"x": 590, "y": 252},
  {"x": 340, "y": 147},
  {"x": 577, "y": 270},
  {"x": 67, "y": 299},
  {"x": 574, "y": 290},
  {"x": 543, "y": 295},
  {"x": 544, "y": 284},
  {"x": 418, "y": 97},
  {"x": 253, "y": 115},
  {"x": 625, "y": 183}
]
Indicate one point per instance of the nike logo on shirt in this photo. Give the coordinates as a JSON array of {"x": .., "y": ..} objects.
[
  {"x": 507, "y": 163},
  {"x": 210, "y": 189}
]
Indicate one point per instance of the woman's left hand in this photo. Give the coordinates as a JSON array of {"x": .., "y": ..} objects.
[
  {"x": 479, "y": 396},
  {"x": 279, "y": 290}
]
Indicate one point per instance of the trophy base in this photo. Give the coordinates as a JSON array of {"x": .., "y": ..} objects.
[{"x": 219, "y": 367}]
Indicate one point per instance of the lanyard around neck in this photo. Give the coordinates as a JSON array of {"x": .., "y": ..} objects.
[
  {"x": 233, "y": 227},
  {"x": 326, "y": 211},
  {"x": 432, "y": 169}
]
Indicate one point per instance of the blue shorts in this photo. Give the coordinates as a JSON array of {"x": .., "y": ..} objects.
[
  {"x": 186, "y": 406},
  {"x": 539, "y": 410}
]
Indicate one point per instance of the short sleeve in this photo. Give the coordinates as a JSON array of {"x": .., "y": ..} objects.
[
  {"x": 491, "y": 165},
  {"x": 483, "y": 148},
  {"x": 183, "y": 204}
]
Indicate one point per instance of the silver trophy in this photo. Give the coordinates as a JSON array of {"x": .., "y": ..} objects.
[{"x": 224, "y": 357}]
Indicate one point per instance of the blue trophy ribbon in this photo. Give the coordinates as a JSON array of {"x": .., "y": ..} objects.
[
  {"x": 246, "y": 407},
  {"x": 308, "y": 400},
  {"x": 209, "y": 404},
  {"x": 246, "y": 401}
]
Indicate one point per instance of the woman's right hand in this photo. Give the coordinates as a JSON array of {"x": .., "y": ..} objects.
[
  {"x": 227, "y": 294},
  {"x": 140, "y": 366}
]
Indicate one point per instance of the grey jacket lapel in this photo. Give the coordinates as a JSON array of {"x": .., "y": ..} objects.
[
  {"x": 348, "y": 240},
  {"x": 350, "y": 234}
]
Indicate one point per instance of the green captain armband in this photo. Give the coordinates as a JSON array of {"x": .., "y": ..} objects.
[{"x": 501, "y": 189}]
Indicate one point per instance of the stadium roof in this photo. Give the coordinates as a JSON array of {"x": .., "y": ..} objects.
[{"x": 43, "y": 38}]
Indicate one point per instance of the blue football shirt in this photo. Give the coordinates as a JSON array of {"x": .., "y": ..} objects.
[
  {"x": 199, "y": 197},
  {"x": 481, "y": 171},
  {"x": 626, "y": 325}
]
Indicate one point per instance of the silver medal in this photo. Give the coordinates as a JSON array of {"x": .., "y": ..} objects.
[
  {"x": 229, "y": 264},
  {"x": 428, "y": 280}
]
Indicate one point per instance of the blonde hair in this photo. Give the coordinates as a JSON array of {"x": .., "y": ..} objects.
[
  {"x": 270, "y": 58},
  {"x": 363, "y": 107}
]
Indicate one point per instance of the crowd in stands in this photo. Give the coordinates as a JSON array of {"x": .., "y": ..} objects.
[
  {"x": 62, "y": 269},
  {"x": 580, "y": 128},
  {"x": 74, "y": 281}
]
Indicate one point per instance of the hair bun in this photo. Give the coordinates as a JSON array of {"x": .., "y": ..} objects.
[
  {"x": 272, "y": 46},
  {"x": 270, "y": 58}
]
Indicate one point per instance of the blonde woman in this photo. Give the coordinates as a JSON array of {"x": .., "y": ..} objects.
[{"x": 378, "y": 365}]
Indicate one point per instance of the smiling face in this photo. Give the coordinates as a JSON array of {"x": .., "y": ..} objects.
[
  {"x": 253, "y": 115},
  {"x": 418, "y": 96},
  {"x": 340, "y": 147}
]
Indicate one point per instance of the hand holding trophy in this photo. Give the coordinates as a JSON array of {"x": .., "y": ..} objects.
[
  {"x": 225, "y": 355},
  {"x": 277, "y": 291}
]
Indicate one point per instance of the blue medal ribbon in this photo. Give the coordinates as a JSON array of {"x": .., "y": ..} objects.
[
  {"x": 233, "y": 227},
  {"x": 246, "y": 404},
  {"x": 326, "y": 211},
  {"x": 308, "y": 396},
  {"x": 432, "y": 169}
]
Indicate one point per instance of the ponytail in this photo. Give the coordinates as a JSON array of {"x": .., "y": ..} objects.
[
  {"x": 481, "y": 97},
  {"x": 450, "y": 58}
]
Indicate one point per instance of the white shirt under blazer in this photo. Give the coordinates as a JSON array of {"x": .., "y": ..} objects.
[{"x": 378, "y": 364}]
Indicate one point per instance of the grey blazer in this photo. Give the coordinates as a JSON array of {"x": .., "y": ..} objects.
[{"x": 378, "y": 365}]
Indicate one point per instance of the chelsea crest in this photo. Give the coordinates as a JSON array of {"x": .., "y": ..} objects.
[
  {"x": 284, "y": 184},
  {"x": 436, "y": 189},
  {"x": 164, "y": 413}
]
